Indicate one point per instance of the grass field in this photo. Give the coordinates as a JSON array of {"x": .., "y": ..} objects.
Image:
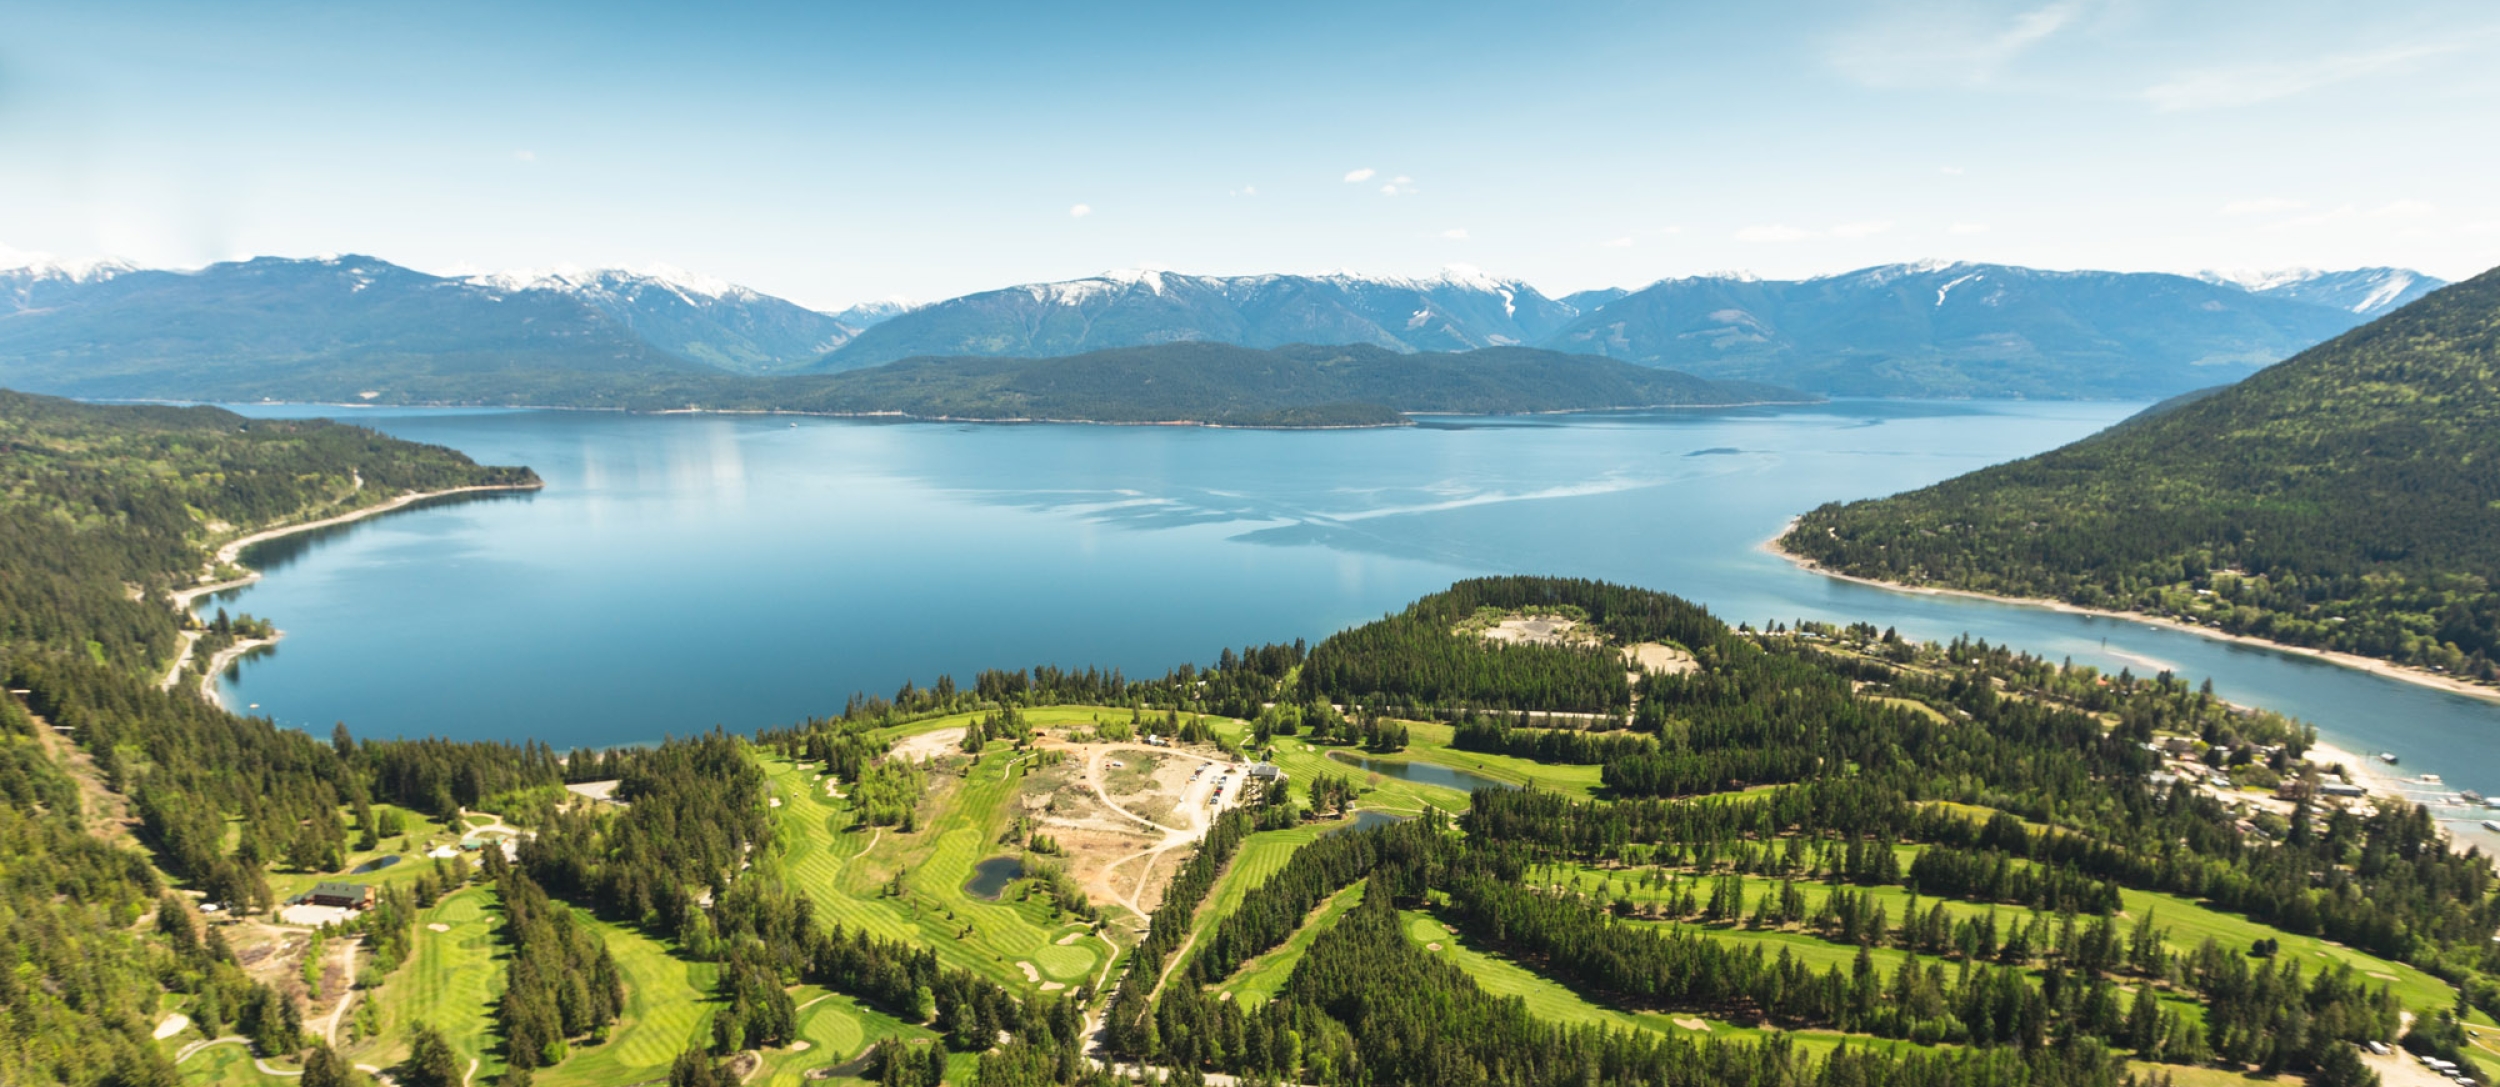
[
  {"x": 836, "y": 1030},
  {"x": 668, "y": 1007},
  {"x": 422, "y": 834},
  {"x": 2189, "y": 925},
  {"x": 450, "y": 980},
  {"x": 1260, "y": 978},
  {"x": 846, "y": 870}
]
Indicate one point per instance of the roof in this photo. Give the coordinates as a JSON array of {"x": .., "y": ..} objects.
[{"x": 329, "y": 889}]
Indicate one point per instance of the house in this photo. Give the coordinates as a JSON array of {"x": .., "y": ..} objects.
[
  {"x": 1267, "y": 771},
  {"x": 2342, "y": 788},
  {"x": 354, "y": 896}
]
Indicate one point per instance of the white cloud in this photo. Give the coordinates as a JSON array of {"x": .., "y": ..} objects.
[
  {"x": 2405, "y": 208},
  {"x": 1774, "y": 232},
  {"x": 1364, "y": 174},
  {"x": 1456, "y": 234},
  {"x": 1080, "y": 211},
  {"x": 1624, "y": 242},
  {"x": 1403, "y": 179},
  {"x": 1927, "y": 47},
  {"x": 2263, "y": 205},
  {"x": 1861, "y": 230},
  {"x": 1246, "y": 190},
  {"x": 2250, "y": 84},
  {"x": 525, "y": 155},
  {"x": 1967, "y": 228}
]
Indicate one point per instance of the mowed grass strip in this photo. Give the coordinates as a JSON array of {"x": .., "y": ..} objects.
[
  {"x": 1260, "y": 978},
  {"x": 2189, "y": 924},
  {"x": 451, "y": 981},
  {"x": 668, "y": 1006},
  {"x": 847, "y": 871}
]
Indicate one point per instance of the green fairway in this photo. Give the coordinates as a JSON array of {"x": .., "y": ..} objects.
[
  {"x": 450, "y": 980},
  {"x": 835, "y": 1030},
  {"x": 1260, "y": 978},
  {"x": 668, "y": 1006},
  {"x": 848, "y": 871},
  {"x": 227, "y": 1065},
  {"x": 2189, "y": 925}
]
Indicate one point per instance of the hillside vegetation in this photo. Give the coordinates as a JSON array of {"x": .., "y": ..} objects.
[
  {"x": 1819, "y": 857},
  {"x": 2346, "y": 499}
]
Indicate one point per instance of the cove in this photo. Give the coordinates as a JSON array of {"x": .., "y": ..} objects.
[{"x": 683, "y": 571}]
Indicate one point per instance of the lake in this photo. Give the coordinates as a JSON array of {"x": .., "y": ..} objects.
[{"x": 686, "y": 571}]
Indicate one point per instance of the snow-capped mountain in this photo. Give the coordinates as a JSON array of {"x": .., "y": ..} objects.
[
  {"x": 1459, "y": 309},
  {"x": 339, "y": 327},
  {"x": 868, "y": 315},
  {"x": 2365, "y": 291},
  {"x": 1946, "y": 329},
  {"x": 29, "y": 279},
  {"x": 692, "y": 316}
]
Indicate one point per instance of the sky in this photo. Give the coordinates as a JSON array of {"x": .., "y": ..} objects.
[{"x": 832, "y": 154}]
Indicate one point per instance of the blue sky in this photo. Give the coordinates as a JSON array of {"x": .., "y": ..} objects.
[{"x": 832, "y": 154}]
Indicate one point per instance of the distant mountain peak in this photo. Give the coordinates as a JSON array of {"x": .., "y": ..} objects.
[
  {"x": 28, "y": 265},
  {"x": 2365, "y": 291},
  {"x": 695, "y": 287}
]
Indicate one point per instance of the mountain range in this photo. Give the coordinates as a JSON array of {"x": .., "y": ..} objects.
[{"x": 344, "y": 327}]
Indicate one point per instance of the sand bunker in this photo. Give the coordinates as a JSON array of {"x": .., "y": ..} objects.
[
  {"x": 439, "y": 927},
  {"x": 1689, "y": 1023}
]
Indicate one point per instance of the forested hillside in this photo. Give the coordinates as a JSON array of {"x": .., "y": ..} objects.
[
  {"x": 2346, "y": 499},
  {"x": 1818, "y": 857},
  {"x": 101, "y": 511}
]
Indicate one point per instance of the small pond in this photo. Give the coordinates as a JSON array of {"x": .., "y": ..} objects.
[
  {"x": 379, "y": 863},
  {"x": 1422, "y": 773},
  {"x": 1366, "y": 820},
  {"x": 990, "y": 877}
]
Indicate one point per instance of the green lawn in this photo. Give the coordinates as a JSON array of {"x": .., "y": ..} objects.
[
  {"x": 846, "y": 870},
  {"x": 836, "y": 1030},
  {"x": 668, "y": 1006},
  {"x": 2189, "y": 925},
  {"x": 1260, "y": 978},
  {"x": 450, "y": 980}
]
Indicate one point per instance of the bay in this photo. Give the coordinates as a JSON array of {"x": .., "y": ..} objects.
[{"x": 681, "y": 572}]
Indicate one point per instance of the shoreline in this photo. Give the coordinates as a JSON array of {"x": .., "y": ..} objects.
[
  {"x": 2373, "y": 665},
  {"x": 1406, "y": 418},
  {"x": 230, "y": 553}
]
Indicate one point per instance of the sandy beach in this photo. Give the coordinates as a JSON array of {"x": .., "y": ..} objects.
[
  {"x": 231, "y": 553},
  {"x": 2372, "y": 665}
]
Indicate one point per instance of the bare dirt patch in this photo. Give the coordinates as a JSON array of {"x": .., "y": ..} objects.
[
  {"x": 1662, "y": 659},
  {"x": 1541, "y": 630},
  {"x": 929, "y": 745}
]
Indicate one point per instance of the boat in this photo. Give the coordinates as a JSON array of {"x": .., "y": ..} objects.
[
  {"x": 2470, "y": 796},
  {"x": 2428, "y": 779},
  {"x": 2492, "y": 825},
  {"x": 2388, "y": 757}
]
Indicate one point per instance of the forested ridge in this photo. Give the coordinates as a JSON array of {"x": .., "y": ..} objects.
[
  {"x": 2344, "y": 499},
  {"x": 2010, "y": 941},
  {"x": 103, "y": 509}
]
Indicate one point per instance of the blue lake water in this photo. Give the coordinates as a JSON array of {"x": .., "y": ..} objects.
[{"x": 684, "y": 571}]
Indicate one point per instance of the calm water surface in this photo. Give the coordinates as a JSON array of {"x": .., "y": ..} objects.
[{"x": 684, "y": 571}]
